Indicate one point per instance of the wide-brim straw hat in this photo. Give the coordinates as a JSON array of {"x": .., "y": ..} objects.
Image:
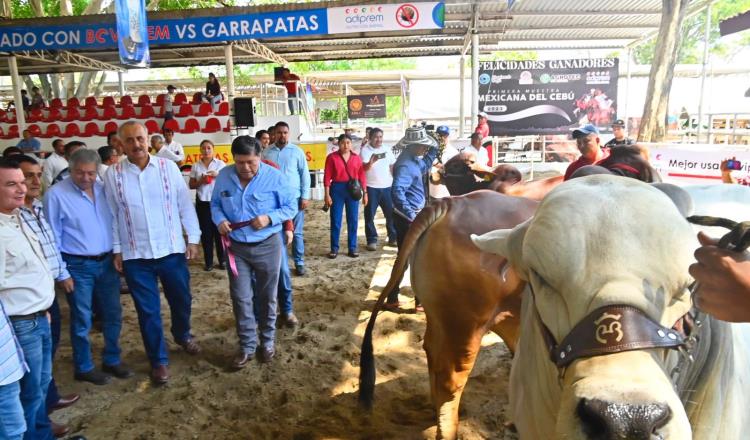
[{"x": 416, "y": 136}]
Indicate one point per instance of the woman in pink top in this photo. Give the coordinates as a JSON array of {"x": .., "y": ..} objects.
[{"x": 341, "y": 166}]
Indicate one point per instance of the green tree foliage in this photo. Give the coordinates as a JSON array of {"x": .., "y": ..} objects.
[
  {"x": 693, "y": 30},
  {"x": 22, "y": 8}
]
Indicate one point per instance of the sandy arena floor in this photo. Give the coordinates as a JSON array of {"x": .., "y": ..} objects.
[{"x": 309, "y": 390}]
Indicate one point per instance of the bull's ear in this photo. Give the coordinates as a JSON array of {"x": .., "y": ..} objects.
[
  {"x": 679, "y": 197},
  {"x": 495, "y": 242}
]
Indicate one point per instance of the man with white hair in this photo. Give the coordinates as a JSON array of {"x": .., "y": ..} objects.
[
  {"x": 82, "y": 222},
  {"x": 161, "y": 150},
  {"x": 151, "y": 206}
]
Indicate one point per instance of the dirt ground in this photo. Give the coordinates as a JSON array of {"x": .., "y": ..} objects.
[{"x": 309, "y": 390}]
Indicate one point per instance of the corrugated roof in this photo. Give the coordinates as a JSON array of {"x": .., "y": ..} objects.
[{"x": 530, "y": 24}]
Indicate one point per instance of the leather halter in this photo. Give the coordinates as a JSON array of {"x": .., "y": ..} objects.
[{"x": 610, "y": 329}]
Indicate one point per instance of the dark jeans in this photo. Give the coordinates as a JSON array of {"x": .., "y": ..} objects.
[
  {"x": 142, "y": 276},
  {"x": 379, "y": 197},
  {"x": 209, "y": 234},
  {"x": 94, "y": 279},
  {"x": 341, "y": 199},
  {"x": 402, "y": 227},
  {"x": 53, "y": 396}
]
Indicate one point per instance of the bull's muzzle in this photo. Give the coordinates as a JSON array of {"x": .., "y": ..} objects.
[{"x": 618, "y": 421}]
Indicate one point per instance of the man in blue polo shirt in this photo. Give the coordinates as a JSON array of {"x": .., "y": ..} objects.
[
  {"x": 29, "y": 144},
  {"x": 408, "y": 189},
  {"x": 258, "y": 194}
]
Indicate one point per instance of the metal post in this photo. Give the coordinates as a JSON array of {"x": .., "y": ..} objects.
[
  {"x": 229, "y": 57},
  {"x": 624, "y": 115},
  {"x": 121, "y": 83},
  {"x": 474, "y": 78},
  {"x": 341, "y": 114},
  {"x": 346, "y": 93},
  {"x": 17, "y": 86},
  {"x": 703, "y": 74},
  {"x": 461, "y": 110}
]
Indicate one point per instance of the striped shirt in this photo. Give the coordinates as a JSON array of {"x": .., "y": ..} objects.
[
  {"x": 12, "y": 363},
  {"x": 34, "y": 219}
]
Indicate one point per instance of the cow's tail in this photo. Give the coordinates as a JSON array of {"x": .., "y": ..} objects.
[{"x": 421, "y": 224}]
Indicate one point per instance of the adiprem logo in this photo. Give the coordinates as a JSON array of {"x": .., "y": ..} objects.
[{"x": 364, "y": 14}]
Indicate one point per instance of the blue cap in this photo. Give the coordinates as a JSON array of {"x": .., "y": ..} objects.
[
  {"x": 443, "y": 129},
  {"x": 585, "y": 131}
]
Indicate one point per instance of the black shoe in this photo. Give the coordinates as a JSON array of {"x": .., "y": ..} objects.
[
  {"x": 392, "y": 243},
  {"x": 221, "y": 266},
  {"x": 208, "y": 268},
  {"x": 93, "y": 376},
  {"x": 265, "y": 355},
  {"x": 353, "y": 254},
  {"x": 300, "y": 270},
  {"x": 120, "y": 371}
]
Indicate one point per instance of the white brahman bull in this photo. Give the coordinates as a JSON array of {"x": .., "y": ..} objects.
[{"x": 599, "y": 241}]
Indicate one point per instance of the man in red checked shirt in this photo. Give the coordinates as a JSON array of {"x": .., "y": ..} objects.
[{"x": 290, "y": 82}]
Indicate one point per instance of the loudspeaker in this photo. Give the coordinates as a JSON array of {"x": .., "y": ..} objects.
[{"x": 244, "y": 112}]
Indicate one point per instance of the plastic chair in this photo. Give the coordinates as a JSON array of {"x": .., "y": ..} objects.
[
  {"x": 108, "y": 114},
  {"x": 91, "y": 114},
  {"x": 91, "y": 129},
  {"x": 144, "y": 100},
  {"x": 197, "y": 98},
  {"x": 160, "y": 100},
  {"x": 108, "y": 101},
  {"x": 53, "y": 130},
  {"x": 109, "y": 127},
  {"x": 127, "y": 112},
  {"x": 35, "y": 115},
  {"x": 72, "y": 130},
  {"x": 91, "y": 102},
  {"x": 3, "y": 116},
  {"x": 185, "y": 110},
  {"x": 204, "y": 109},
  {"x": 191, "y": 126},
  {"x": 72, "y": 115},
  {"x": 55, "y": 103},
  {"x": 229, "y": 125},
  {"x": 34, "y": 130},
  {"x": 12, "y": 132},
  {"x": 73, "y": 102},
  {"x": 152, "y": 126},
  {"x": 147, "y": 111},
  {"x": 213, "y": 125},
  {"x": 126, "y": 100},
  {"x": 54, "y": 114},
  {"x": 171, "y": 124},
  {"x": 180, "y": 99},
  {"x": 223, "y": 109}
]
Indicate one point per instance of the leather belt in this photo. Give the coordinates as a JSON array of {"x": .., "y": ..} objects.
[
  {"x": 28, "y": 317},
  {"x": 99, "y": 257}
]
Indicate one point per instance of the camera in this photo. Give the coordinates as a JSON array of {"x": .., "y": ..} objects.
[
  {"x": 325, "y": 208},
  {"x": 734, "y": 164},
  {"x": 379, "y": 156}
]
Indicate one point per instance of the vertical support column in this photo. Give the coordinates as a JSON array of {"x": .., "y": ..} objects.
[
  {"x": 624, "y": 115},
  {"x": 346, "y": 102},
  {"x": 706, "y": 37},
  {"x": 17, "y": 86},
  {"x": 121, "y": 83},
  {"x": 229, "y": 57},
  {"x": 474, "y": 78},
  {"x": 461, "y": 109},
  {"x": 341, "y": 114},
  {"x": 404, "y": 89}
]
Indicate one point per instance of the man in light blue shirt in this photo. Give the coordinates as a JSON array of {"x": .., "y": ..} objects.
[
  {"x": 259, "y": 196},
  {"x": 82, "y": 222},
  {"x": 293, "y": 163},
  {"x": 29, "y": 144}
]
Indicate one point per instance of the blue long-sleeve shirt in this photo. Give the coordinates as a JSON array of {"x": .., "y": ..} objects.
[
  {"x": 267, "y": 193},
  {"x": 293, "y": 164},
  {"x": 407, "y": 190}
]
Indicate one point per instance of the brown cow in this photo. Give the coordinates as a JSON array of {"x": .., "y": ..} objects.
[
  {"x": 464, "y": 295},
  {"x": 462, "y": 175}
]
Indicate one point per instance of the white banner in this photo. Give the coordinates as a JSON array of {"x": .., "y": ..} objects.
[
  {"x": 696, "y": 164},
  {"x": 386, "y": 17}
]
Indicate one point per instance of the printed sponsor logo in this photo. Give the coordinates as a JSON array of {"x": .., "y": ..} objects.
[{"x": 484, "y": 79}]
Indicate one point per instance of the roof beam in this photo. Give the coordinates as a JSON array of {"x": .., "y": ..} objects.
[
  {"x": 254, "y": 47},
  {"x": 470, "y": 29},
  {"x": 66, "y": 58}
]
